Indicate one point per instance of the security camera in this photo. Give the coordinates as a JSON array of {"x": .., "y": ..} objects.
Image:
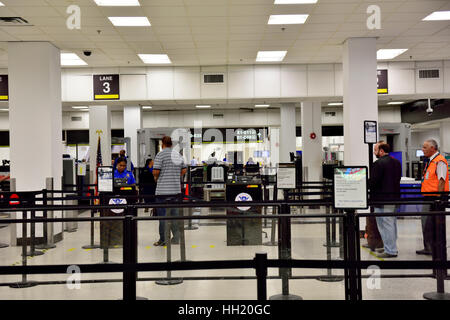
[
  {"x": 87, "y": 53},
  {"x": 429, "y": 109}
]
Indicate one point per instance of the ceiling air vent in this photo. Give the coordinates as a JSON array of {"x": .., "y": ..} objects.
[
  {"x": 76, "y": 118},
  {"x": 429, "y": 74},
  {"x": 218, "y": 116},
  {"x": 330, "y": 114},
  {"x": 13, "y": 22},
  {"x": 213, "y": 78}
]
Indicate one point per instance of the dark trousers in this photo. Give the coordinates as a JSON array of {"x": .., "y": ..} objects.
[
  {"x": 374, "y": 239},
  {"x": 428, "y": 227},
  {"x": 162, "y": 212}
]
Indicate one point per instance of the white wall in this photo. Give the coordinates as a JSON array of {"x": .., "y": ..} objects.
[
  {"x": 417, "y": 138},
  {"x": 249, "y": 81}
]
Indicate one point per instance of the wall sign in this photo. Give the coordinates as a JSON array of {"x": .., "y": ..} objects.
[
  {"x": 350, "y": 188},
  {"x": 382, "y": 81},
  {"x": 370, "y": 132},
  {"x": 4, "y": 94},
  {"x": 106, "y": 87}
]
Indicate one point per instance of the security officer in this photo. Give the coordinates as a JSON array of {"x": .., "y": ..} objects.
[
  {"x": 121, "y": 172},
  {"x": 435, "y": 178}
]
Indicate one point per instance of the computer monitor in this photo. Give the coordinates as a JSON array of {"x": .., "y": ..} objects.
[
  {"x": 419, "y": 153},
  {"x": 252, "y": 168}
]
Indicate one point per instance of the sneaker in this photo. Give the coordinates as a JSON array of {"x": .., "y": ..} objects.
[
  {"x": 424, "y": 251},
  {"x": 379, "y": 250},
  {"x": 386, "y": 255},
  {"x": 159, "y": 243},
  {"x": 369, "y": 247}
]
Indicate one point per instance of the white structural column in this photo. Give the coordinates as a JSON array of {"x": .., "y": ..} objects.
[
  {"x": 35, "y": 116},
  {"x": 287, "y": 131},
  {"x": 132, "y": 121},
  {"x": 312, "y": 148},
  {"x": 444, "y": 137},
  {"x": 360, "y": 96},
  {"x": 99, "y": 120}
]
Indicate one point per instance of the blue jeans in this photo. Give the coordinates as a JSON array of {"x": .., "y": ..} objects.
[
  {"x": 161, "y": 212},
  {"x": 388, "y": 229}
]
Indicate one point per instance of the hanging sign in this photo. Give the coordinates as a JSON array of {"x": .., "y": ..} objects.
[
  {"x": 382, "y": 81},
  {"x": 4, "y": 94},
  {"x": 370, "y": 132},
  {"x": 106, "y": 87}
]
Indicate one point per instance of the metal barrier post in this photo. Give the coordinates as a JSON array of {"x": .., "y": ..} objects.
[
  {"x": 169, "y": 280},
  {"x": 284, "y": 252},
  {"x": 33, "y": 252},
  {"x": 92, "y": 235},
  {"x": 439, "y": 254},
  {"x": 24, "y": 283},
  {"x": 129, "y": 257},
  {"x": 261, "y": 274},
  {"x": 351, "y": 281},
  {"x": 46, "y": 245}
]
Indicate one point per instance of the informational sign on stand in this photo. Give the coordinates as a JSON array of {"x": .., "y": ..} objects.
[
  {"x": 370, "y": 132},
  {"x": 105, "y": 179},
  {"x": 286, "y": 176},
  {"x": 106, "y": 87},
  {"x": 350, "y": 188}
]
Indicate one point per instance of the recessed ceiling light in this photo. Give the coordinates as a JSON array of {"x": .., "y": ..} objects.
[
  {"x": 111, "y": 3},
  {"x": 146, "y": 107},
  {"x": 262, "y": 105},
  {"x": 71, "y": 59},
  {"x": 130, "y": 21},
  {"x": 270, "y": 55},
  {"x": 203, "y": 107},
  {"x": 1, "y": 4},
  {"x": 384, "y": 54},
  {"x": 438, "y": 15},
  {"x": 335, "y": 104},
  {"x": 287, "y": 18},
  {"x": 294, "y": 1},
  {"x": 396, "y": 102},
  {"x": 155, "y": 58},
  {"x": 80, "y": 107}
]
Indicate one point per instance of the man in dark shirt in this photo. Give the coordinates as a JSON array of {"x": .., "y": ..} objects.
[{"x": 385, "y": 184}]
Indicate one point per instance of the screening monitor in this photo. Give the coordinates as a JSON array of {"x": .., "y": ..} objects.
[{"x": 419, "y": 153}]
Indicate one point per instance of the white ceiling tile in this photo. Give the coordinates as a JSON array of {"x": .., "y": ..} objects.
[
  {"x": 245, "y": 36},
  {"x": 211, "y": 45},
  {"x": 165, "y": 12},
  {"x": 210, "y": 29},
  {"x": 178, "y": 45},
  {"x": 247, "y": 29},
  {"x": 335, "y": 8},
  {"x": 239, "y": 11},
  {"x": 207, "y": 11},
  {"x": 36, "y": 11},
  {"x": 327, "y": 18},
  {"x": 420, "y": 6},
  {"x": 22, "y": 30},
  {"x": 248, "y": 20}
]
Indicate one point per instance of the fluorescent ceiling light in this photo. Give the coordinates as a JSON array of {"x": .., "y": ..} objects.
[
  {"x": 111, "y": 3},
  {"x": 130, "y": 21},
  {"x": 1, "y": 4},
  {"x": 262, "y": 105},
  {"x": 203, "y": 107},
  {"x": 396, "y": 102},
  {"x": 294, "y": 1},
  {"x": 384, "y": 54},
  {"x": 146, "y": 107},
  {"x": 271, "y": 55},
  {"x": 71, "y": 59},
  {"x": 438, "y": 15},
  {"x": 80, "y": 107},
  {"x": 4, "y": 109},
  {"x": 287, "y": 18},
  {"x": 335, "y": 104},
  {"x": 154, "y": 58}
]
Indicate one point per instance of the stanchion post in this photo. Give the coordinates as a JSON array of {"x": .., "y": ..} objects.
[
  {"x": 129, "y": 258},
  {"x": 261, "y": 274},
  {"x": 273, "y": 225},
  {"x": 33, "y": 252},
  {"x": 91, "y": 244},
  {"x": 47, "y": 244},
  {"x": 351, "y": 281},
  {"x": 439, "y": 254}
]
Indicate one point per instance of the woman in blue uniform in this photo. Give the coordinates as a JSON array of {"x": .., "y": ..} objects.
[{"x": 121, "y": 172}]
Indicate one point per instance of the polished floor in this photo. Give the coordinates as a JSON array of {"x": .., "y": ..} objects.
[{"x": 208, "y": 242}]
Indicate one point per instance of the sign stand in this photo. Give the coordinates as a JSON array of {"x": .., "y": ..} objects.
[{"x": 169, "y": 280}]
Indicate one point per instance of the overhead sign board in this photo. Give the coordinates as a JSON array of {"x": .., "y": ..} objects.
[
  {"x": 106, "y": 87},
  {"x": 4, "y": 94},
  {"x": 382, "y": 81},
  {"x": 350, "y": 188}
]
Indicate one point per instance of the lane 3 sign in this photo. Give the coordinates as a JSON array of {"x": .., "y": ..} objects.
[
  {"x": 106, "y": 87},
  {"x": 382, "y": 81}
]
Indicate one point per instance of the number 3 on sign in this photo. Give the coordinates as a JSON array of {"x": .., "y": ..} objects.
[{"x": 106, "y": 88}]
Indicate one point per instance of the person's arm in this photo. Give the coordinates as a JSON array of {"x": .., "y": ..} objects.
[
  {"x": 157, "y": 167},
  {"x": 183, "y": 171},
  {"x": 156, "y": 174},
  {"x": 441, "y": 172}
]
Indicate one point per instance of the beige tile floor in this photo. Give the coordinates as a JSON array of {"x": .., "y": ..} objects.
[{"x": 209, "y": 243}]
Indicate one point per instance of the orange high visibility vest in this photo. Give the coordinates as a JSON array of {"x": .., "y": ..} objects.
[{"x": 430, "y": 181}]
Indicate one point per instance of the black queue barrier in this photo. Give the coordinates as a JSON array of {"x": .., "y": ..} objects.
[{"x": 91, "y": 244}]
